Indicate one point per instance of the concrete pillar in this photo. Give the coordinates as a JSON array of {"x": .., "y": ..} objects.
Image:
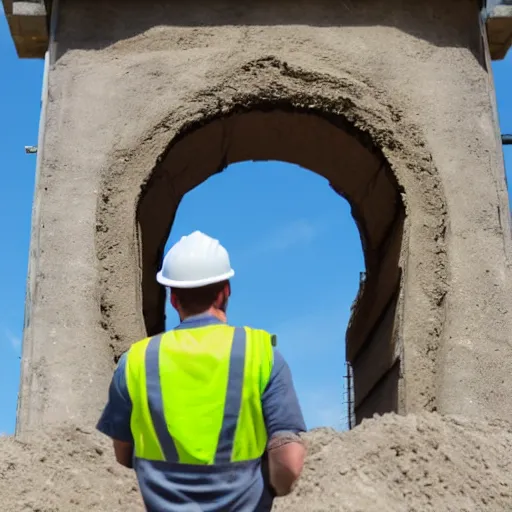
[{"x": 391, "y": 102}]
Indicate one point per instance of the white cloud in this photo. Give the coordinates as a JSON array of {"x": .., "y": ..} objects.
[
  {"x": 282, "y": 238},
  {"x": 14, "y": 341},
  {"x": 298, "y": 232}
]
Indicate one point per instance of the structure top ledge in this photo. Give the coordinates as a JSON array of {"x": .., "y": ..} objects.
[{"x": 29, "y": 25}]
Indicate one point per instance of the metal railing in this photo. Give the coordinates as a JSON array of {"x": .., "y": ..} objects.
[{"x": 349, "y": 420}]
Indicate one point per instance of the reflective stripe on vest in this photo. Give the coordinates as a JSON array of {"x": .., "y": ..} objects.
[{"x": 196, "y": 394}]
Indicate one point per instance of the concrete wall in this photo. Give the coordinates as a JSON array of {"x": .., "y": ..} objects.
[
  {"x": 390, "y": 101},
  {"x": 275, "y": 130}
]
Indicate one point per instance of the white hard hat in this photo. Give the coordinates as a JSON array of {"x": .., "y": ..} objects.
[{"x": 196, "y": 260}]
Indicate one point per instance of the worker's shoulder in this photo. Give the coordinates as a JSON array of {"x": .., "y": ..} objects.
[
  {"x": 141, "y": 343},
  {"x": 264, "y": 333},
  {"x": 136, "y": 349}
]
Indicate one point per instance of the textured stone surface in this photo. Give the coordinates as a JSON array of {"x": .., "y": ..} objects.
[
  {"x": 390, "y": 102},
  {"x": 423, "y": 463},
  {"x": 30, "y": 35}
]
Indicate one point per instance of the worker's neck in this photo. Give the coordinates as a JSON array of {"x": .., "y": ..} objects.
[{"x": 217, "y": 313}]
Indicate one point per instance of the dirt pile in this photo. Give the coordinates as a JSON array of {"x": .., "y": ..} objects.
[
  {"x": 405, "y": 464},
  {"x": 414, "y": 463},
  {"x": 68, "y": 469}
]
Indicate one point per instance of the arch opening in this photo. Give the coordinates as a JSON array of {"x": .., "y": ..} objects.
[
  {"x": 298, "y": 266},
  {"x": 354, "y": 168}
]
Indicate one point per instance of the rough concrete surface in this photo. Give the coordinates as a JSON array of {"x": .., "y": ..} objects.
[
  {"x": 390, "y": 464},
  {"x": 146, "y": 101},
  {"x": 392, "y": 103}
]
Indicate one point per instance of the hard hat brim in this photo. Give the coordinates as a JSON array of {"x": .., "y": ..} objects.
[{"x": 193, "y": 284}]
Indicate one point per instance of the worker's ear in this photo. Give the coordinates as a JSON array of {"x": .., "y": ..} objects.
[
  {"x": 222, "y": 298},
  {"x": 174, "y": 301}
]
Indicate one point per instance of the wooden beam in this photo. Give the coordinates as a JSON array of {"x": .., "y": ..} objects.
[
  {"x": 28, "y": 23},
  {"x": 499, "y": 30}
]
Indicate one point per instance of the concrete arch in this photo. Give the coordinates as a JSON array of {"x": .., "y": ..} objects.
[
  {"x": 321, "y": 122},
  {"x": 126, "y": 79}
]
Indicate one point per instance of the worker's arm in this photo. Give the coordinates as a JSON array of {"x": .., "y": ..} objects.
[
  {"x": 284, "y": 421},
  {"x": 286, "y": 454},
  {"x": 115, "y": 420},
  {"x": 124, "y": 453}
]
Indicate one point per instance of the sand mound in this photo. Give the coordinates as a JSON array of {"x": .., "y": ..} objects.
[
  {"x": 414, "y": 463},
  {"x": 68, "y": 469}
]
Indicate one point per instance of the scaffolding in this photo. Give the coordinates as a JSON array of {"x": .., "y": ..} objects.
[{"x": 350, "y": 420}]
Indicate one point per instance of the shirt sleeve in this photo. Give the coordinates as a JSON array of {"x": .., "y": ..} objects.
[
  {"x": 280, "y": 403},
  {"x": 115, "y": 419}
]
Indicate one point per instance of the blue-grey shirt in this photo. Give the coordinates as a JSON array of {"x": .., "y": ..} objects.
[{"x": 227, "y": 487}]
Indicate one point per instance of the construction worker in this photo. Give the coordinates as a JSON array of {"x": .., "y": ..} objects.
[{"x": 205, "y": 413}]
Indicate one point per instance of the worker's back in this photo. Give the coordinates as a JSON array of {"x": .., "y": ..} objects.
[
  {"x": 191, "y": 410},
  {"x": 196, "y": 410}
]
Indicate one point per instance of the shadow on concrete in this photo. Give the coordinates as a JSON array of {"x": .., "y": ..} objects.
[
  {"x": 91, "y": 25},
  {"x": 356, "y": 169}
]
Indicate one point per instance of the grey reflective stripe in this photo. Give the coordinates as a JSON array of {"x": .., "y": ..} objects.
[
  {"x": 155, "y": 399},
  {"x": 233, "y": 397}
]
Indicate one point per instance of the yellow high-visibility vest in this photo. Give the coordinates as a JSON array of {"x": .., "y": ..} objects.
[{"x": 196, "y": 394}]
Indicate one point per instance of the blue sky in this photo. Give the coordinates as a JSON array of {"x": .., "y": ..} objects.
[
  {"x": 297, "y": 261},
  {"x": 287, "y": 253}
]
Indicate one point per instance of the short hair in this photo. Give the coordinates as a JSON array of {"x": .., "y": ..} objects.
[{"x": 198, "y": 300}]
